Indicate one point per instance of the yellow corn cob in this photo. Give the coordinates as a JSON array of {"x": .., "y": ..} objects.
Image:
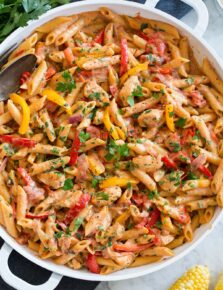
[
  {"x": 219, "y": 285},
  {"x": 196, "y": 278}
]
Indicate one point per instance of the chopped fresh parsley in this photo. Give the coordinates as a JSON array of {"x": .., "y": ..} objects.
[
  {"x": 171, "y": 114},
  {"x": 68, "y": 85},
  {"x": 175, "y": 146},
  {"x": 191, "y": 176},
  {"x": 83, "y": 136},
  {"x": 109, "y": 242},
  {"x": 58, "y": 235},
  {"x": 175, "y": 176},
  {"x": 180, "y": 123},
  {"x": 136, "y": 93},
  {"x": 153, "y": 194},
  {"x": 55, "y": 151},
  {"x": 94, "y": 96},
  {"x": 102, "y": 195},
  {"x": 158, "y": 224},
  {"x": 77, "y": 223},
  {"x": 116, "y": 151},
  {"x": 95, "y": 181},
  {"x": 68, "y": 184}
]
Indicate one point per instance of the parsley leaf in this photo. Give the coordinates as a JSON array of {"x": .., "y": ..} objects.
[
  {"x": 181, "y": 122},
  {"x": 68, "y": 184},
  {"x": 68, "y": 85},
  {"x": 175, "y": 146},
  {"x": 77, "y": 223},
  {"x": 136, "y": 93},
  {"x": 153, "y": 194},
  {"x": 83, "y": 136},
  {"x": 96, "y": 96},
  {"x": 116, "y": 151},
  {"x": 17, "y": 13},
  {"x": 191, "y": 176},
  {"x": 102, "y": 195},
  {"x": 58, "y": 235}
]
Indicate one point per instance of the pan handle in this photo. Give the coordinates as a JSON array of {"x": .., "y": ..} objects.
[
  {"x": 200, "y": 9},
  {"x": 17, "y": 282}
]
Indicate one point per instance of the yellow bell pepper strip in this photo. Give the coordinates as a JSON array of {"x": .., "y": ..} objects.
[
  {"x": 95, "y": 164},
  {"x": 117, "y": 181},
  {"x": 169, "y": 117},
  {"x": 109, "y": 126},
  {"x": 25, "y": 112},
  {"x": 54, "y": 97},
  {"x": 133, "y": 71}
]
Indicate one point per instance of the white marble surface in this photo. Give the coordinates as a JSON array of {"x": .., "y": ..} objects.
[{"x": 210, "y": 251}]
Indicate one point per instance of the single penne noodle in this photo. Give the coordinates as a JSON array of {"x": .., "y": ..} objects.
[
  {"x": 202, "y": 203},
  {"x": 139, "y": 261},
  {"x": 53, "y": 163},
  {"x": 199, "y": 183},
  {"x": 200, "y": 192},
  {"x": 36, "y": 78},
  {"x": 144, "y": 178},
  {"x": 212, "y": 100},
  {"x": 208, "y": 215},
  {"x": 217, "y": 179},
  {"x": 212, "y": 75},
  {"x": 176, "y": 243},
  {"x": 158, "y": 251},
  {"x": 188, "y": 232}
]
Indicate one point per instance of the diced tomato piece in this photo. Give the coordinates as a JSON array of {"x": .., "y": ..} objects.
[{"x": 92, "y": 264}]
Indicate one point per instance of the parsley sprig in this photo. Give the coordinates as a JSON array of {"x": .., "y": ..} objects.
[
  {"x": 17, "y": 13},
  {"x": 136, "y": 93},
  {"x": 68, "y": 85}
]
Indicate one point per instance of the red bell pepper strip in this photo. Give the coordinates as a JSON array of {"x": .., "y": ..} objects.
[
  {"x": 155, "y": 215},
  {"x": 205, "y": 171},
  {"x": 74, "y": 211},
  {"x": 41, "y": 216},
  {"x": 74, "y": 149},
  {"x": 169, "y": 163},
  {"x": 17, "y": 141},
  {"x": 92, "y": 264},
  {"x": 124, "y": 57},
  {"x": 131, "y": 248},
  {"x": 100, "y": 37}
]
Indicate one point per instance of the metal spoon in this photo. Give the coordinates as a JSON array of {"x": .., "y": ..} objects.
[{"x": 10, "y": 76}]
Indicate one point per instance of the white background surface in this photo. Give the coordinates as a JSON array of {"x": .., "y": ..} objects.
[{"x": 210, "y": 251}]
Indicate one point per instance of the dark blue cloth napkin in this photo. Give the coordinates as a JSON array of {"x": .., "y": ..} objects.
[{"x": 37, "y": 275}]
